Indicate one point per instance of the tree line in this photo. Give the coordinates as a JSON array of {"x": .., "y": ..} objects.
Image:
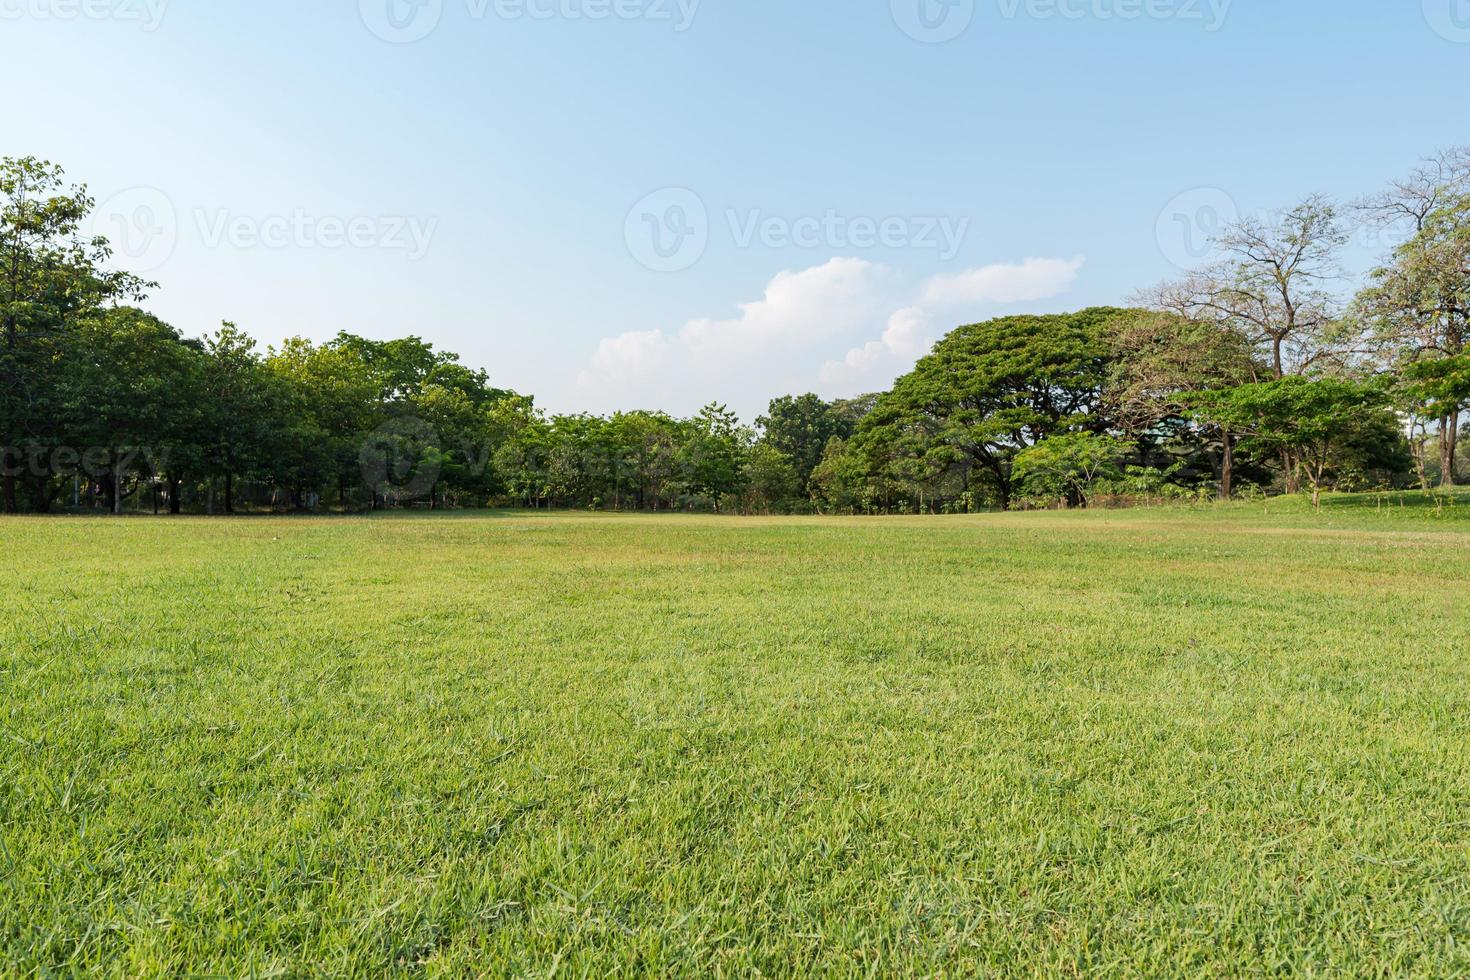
[{"x": 1256, "y": 373}]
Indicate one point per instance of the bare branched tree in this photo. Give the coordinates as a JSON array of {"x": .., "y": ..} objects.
[
  {"x": 1435, "y": 182},
  {"x": 1272, "y": 285},
  {"x": 1417, "y": 305}
]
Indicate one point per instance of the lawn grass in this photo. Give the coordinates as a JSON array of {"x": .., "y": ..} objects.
[{"x": 1222, "y": 741}]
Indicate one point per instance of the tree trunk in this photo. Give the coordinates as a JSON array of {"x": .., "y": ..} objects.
[
  {"x": 1227, "y": 465},
  {"x": 229, "y": 492},
  {"x": 117, "y": 494},
  {"x": 7, "y": 491},
  {"x": 1291, "y": 472},
  {"x": 1418, "y": 437},
  {"x": 1449, "y": 431}
]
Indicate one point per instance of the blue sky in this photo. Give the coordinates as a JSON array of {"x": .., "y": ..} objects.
[{"x": 832, "y": 183}]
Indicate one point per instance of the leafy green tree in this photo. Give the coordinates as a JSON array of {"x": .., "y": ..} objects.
[
  {"x": 1157, "y": 359},
  {"x": 51, "y": 278},
  {"x": 771, "y": 478},
  {"x": 799, "y": 427},
  {"x": 1312, "y": 421},
  {"x": 1067, "y": 467},
  {"x": 991, "y": 390},
  {"x": 522, "y": 439},
  {"x": 245, "y": 401},
  {"x": 336, "y": 391},
  {"x": 711, "y": 454},
  {"x": 648, "y": 455},
  {"x": 1418, "y": 306},
  {"x": 125, "y": 387},
  {"x": 841, "y": 480}
]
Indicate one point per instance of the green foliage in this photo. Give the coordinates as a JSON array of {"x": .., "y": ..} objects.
[
  {"x": 712, "y": 454},
  {"x": 1441, "y": 385},
  {"x": 1315, "y": 424},
  {"x": 1015, "y": 405},
  {"x": 772, "y": 479},
  {"x": 801, "y": 427},
  {"x": 1064, "y": 469},
  {"x": 991, "y": 390}
]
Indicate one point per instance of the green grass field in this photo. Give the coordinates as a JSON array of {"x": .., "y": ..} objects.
[{"x": 1185, "y": 743}]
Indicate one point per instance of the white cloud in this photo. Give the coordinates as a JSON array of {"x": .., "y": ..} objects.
[
  {"x": 746, "y": 358},
  {"x": 774, "y": 345},
  {"x": 908, "y": 335},
  {"x": 1026, "y": 282},
  {"x": 904, "y": 340}
]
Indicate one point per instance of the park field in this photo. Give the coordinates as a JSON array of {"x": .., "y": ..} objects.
[{"x": 1225, "y": 741}]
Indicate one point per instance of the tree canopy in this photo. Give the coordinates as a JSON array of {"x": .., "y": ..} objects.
[{"x": 1253, "y": 371}]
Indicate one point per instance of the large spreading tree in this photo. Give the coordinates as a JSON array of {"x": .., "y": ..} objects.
[{"x": 991, "y": 390}]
